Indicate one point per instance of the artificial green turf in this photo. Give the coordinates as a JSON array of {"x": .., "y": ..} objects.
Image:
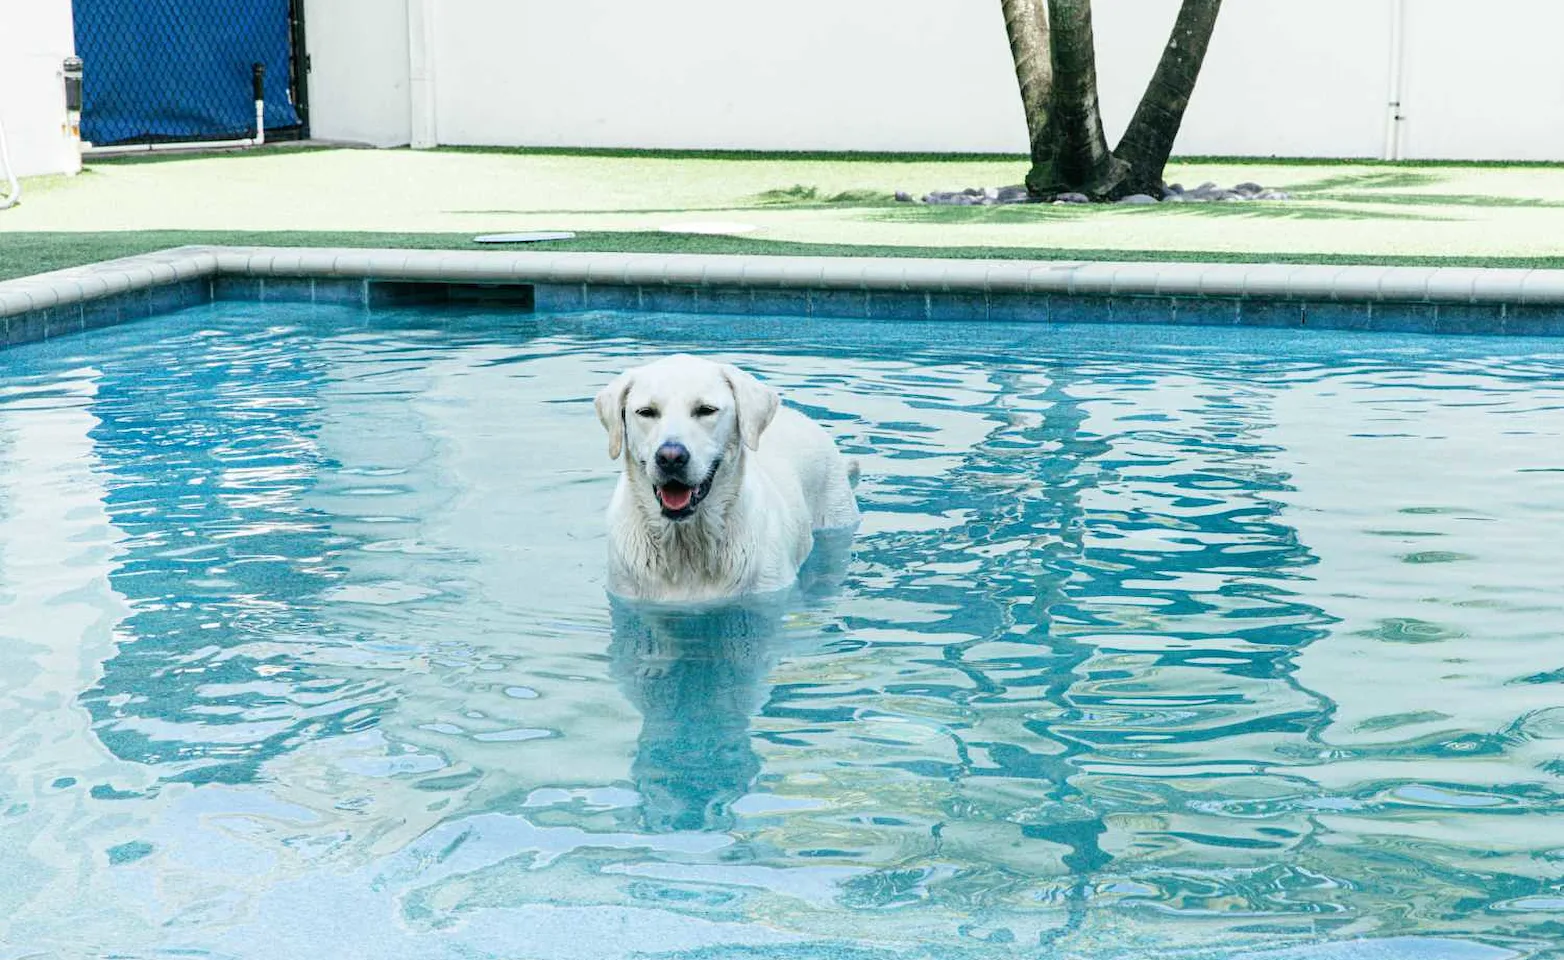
[
  {"x": 879, "y": 157},
  {"x": 847, "y": 156},
  {"x": 24, "y": 254}
]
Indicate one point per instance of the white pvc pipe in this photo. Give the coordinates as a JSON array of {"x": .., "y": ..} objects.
[
  {"x": 13, "y": 194},
  {"x": 256, "y": 141},
  {"x": 1393, "y": 115}
]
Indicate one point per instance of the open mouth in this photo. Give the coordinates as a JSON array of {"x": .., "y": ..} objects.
[{"x": 679, "y": 500}]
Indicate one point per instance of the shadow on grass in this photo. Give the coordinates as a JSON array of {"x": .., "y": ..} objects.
[
  {"x": 1387, "y": 180},
  {"x": 1034, "y": 213},
  {"x": 1295, "y": 210},
  {"x": 810, "y": 196},
  {"x": 1443, "y": 200},
  {"x": 797, "y": 197},
  {"x": 1371, "y": 184}
]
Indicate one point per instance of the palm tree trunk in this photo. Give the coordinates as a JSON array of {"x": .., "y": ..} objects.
[
  {"x": 1148, "y": 142},
  {"x": 1084, "y": 161},
  {"x": 1026, "y": 22}
]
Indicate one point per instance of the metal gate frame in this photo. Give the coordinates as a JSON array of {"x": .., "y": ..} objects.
[{"x": 299, "y": 78}]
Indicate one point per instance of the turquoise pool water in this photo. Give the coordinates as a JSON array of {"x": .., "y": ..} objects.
[{"x": 1154, "y": 642}]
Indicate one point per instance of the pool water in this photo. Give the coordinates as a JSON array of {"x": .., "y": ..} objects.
[{"x": 1154, "y": 642}]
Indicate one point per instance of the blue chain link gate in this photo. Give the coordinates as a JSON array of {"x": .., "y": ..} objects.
[{"x": 177, "y": 70}]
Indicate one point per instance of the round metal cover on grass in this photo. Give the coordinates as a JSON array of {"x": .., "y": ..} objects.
[{"x": 535, "y": 236}]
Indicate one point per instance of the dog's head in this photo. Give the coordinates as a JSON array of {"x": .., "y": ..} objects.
[{"x": 677, "y": 420}]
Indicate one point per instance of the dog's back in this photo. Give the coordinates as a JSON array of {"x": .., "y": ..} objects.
[{"x": 796, "y": 446}]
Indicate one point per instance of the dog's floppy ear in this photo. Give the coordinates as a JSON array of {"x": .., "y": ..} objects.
[
  {"x": 754, "y": 404},
  {"x": 611, "y": 410}
]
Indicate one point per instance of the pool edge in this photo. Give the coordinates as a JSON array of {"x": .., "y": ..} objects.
[{"x": 1440, "y": 300}]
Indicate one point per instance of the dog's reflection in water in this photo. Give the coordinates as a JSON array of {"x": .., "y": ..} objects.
[{"x": 698, "y": 675}]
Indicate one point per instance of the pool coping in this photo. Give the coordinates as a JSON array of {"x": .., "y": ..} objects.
[{"x": 1373, "y": 298}]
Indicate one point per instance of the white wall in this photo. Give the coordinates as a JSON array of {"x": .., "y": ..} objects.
[
  {"x": 1485, "y": 80},
  {"x": 1292, "y": 78},
  {"x": 1284, "y": 77},
  {"x": 358, "y": 82},
  {"x": 35, "y": 38},
  {"x": 807, "y": 74}
]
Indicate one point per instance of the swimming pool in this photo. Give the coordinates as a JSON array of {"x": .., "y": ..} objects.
[{"x": 1195, "y": 642}]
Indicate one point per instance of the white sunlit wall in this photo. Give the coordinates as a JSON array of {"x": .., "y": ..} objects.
[
  {"x": 35, "y": 38},
  {"x": 1284, "y": 77}
]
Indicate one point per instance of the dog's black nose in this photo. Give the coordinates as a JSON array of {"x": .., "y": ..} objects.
[{"x": 672, "y": 456}]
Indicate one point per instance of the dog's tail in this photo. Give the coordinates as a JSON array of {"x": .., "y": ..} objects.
[{"x": 854, "y": 471}]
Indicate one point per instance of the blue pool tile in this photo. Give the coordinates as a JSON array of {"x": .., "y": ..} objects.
[
  {"x": 340, "y": 291},
  {"x": 1271, "y": 313},
  {"x": 1063, "y": 308},
  {"x": 612, "y": 296},
  {"x": 1206, "y": 311},
  {"x": 1534, "y": 321},
  {"x": 236, "y": 288},
  {"x": 1469, "y": 318},
  {"x": 558, "y": 297},
  {"x": 1018, "y": 307},
  {"x": 781, "y": 303},
  {"x": 898, "y": 305},
  {"x": 958, "y": 306},
  {"x": 727, "y": 300},
  {"x": 847, "y": 304},
  {"x": 63, "y": 320},
  {"x": 1337, "y": 316},
  {"x": 97, "y": 314},
  {"x": 166, "y": 299},
  {"x": 1140, "y": 309},
  {"x": 657, "y": 299},
  {"x": 27, "y": 327},
  {"x": 194, "y": 293},
  {"x": 288, "y": 290},
  {"x": 1402, "y": 317},
  {"x": 135, "y": 305}
]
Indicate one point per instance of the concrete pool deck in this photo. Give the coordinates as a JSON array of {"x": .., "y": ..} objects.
[{"x": 1383, "y": 299}]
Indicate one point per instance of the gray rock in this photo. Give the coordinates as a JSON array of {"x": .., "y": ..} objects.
[
  {"x": 1016, "y": 194},
  {"x": 1176, "y": 187},
  {"x": 1177, "y": 198},
  {"x": 990, "y": 194},
  {"x": 1249, "y": 189},
  {"x": 1073, "y": 198},
  {"x": 1207, "y": 187},
  {"x": 1138, "y": 200},
  {"x": 903, "y": 196},
  {"x": 1275, "y": 195},
  {"x": 973, "y": 191}
]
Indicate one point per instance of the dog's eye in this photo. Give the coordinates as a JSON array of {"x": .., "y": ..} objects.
[
  {"x": 705, "y": 410},
  {"x": 646, "y": 412}
]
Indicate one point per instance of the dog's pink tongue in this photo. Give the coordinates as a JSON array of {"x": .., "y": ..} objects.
[{"x": 675, "y": 497}]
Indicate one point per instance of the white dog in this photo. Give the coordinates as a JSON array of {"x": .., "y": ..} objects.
[{"x": 722, "y": 488}]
